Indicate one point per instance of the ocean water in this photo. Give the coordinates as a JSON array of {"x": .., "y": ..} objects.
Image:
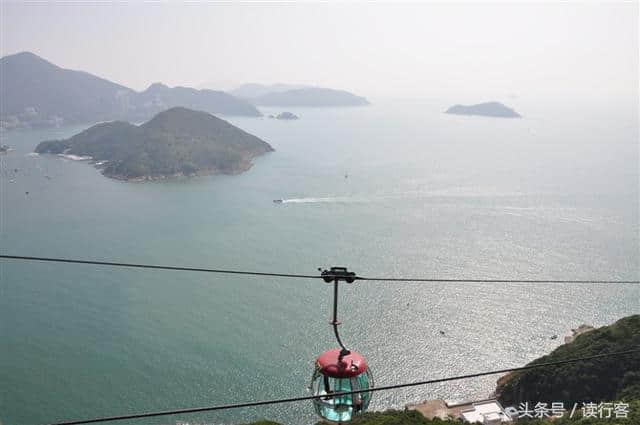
[{"x": 394, "y": 189}]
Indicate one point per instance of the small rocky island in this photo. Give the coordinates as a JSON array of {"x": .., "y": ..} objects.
[
  {"x": 487, "y": 109},
  {"x": 176, "y": 142},
  {"x": 287, "y": 116}
]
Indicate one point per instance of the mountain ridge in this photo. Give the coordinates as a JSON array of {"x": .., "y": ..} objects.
[
  {"x": 35, "y": 92},
  {"x": 252, "y": 90},
  {"x": 310, "y": 96}
]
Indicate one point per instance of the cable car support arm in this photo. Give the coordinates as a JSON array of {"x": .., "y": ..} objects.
[{"x": 335, "y": 275}]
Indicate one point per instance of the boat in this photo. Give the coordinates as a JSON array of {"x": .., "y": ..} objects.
[{"x": 278, "y": 201}]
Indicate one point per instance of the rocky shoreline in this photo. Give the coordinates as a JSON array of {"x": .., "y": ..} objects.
[{"x": 164, "y": 177}]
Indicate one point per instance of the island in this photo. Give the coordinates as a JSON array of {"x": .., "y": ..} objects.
[
  {"x": 176, "y": 142},
  {"x": 4, "y": 149},
  {"x": 287, "y": 116},
  {"x": 309, "y": 96},
  {"x": 487, "y": 109},
  {"x": 251, "y": 90}
]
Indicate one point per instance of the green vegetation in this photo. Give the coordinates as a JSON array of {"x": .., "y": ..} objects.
[
  {"x": 608, "y": 379},
  {"x": 175, "y": 142}
]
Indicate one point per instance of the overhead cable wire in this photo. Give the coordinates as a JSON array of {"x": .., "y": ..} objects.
[
  {"x": 157, "y": 267},
  {"x": 434, "y": 280},
  {"x": 307, "y": 276},
  {"x": 338, "y": 394}
]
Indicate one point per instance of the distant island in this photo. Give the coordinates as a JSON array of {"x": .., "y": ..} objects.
[
  {"x": 287, "y": 116},
  {"x": 158, "y": 97},
  {"x": 487, "y": 109},
  {"x": 296, "y": 95},
  {"x": 176, "y": 142},
  {"x": 252, "y": 90},
  {"x": 37, "y": 93}
]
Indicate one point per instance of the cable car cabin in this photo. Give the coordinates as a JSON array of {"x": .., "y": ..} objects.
[{"x": 337, "y": 373}]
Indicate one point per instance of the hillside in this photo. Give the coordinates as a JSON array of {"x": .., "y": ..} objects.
[
  {"x": 175, "y": 142},
  {"x": 487, "y": 109},
  {"x": 40, "y": 93},
  {"x": 37, "y": 93},
  {"x": 159, "y": 97},
  {"x": 608, "y": 379},
  {"x": 310, "y": 96}
]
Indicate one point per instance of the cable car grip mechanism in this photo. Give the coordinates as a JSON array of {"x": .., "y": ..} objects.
[{"x": 335, "y": 275}]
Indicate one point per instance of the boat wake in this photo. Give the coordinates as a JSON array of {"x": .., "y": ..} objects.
[
  {"x": 325, "y": 200},
  {"x": 453, "y": 193}
]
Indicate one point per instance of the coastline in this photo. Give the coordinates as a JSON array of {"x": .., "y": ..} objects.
[
  {"x": 161, "y": 177},
  {"x": 448, "y": 409},
  {"x": 100, "y": 165}
]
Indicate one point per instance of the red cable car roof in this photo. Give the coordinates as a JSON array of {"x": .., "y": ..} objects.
[{"x": 351, "y": 365}]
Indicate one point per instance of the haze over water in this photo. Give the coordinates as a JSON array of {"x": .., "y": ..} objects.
[{"x": 394, "y": 189}]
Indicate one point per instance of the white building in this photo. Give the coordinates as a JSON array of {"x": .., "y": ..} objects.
[{"x": 488, "y": 412}]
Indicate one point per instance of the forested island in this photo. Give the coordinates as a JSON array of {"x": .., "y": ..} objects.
[
  {"x": 176, "y": 142},
  {"x": 487, "y": 109}
]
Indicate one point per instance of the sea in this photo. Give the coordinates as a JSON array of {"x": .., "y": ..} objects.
[{"x": 395, "y": 189}]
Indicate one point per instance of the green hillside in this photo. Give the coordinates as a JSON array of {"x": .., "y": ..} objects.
[{"x": 608, "y": 379}]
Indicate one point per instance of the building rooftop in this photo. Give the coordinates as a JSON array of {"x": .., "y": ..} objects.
[{"x": 485, "y": 412}]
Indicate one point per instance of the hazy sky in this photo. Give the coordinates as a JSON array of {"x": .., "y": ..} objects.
[{"x": 472, "y": 50}]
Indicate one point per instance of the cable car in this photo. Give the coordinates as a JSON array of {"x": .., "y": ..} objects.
[
  {"x": 340, "y": 370},
  {"x": 334, "y": 374}
]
